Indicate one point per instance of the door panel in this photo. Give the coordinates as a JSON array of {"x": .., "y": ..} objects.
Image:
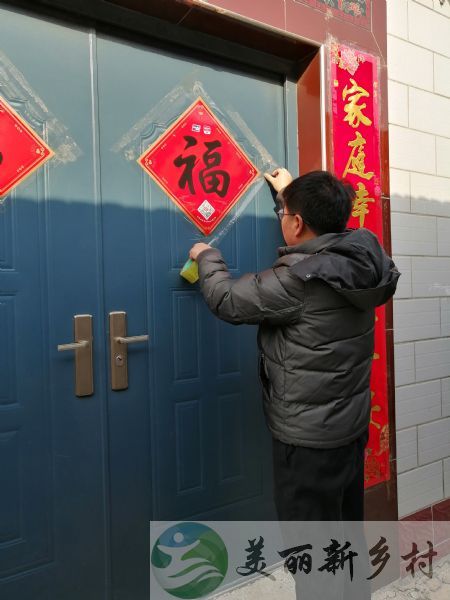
[
  {"x": 190, "y": 426},
  {"x": 52, "y": 524}
]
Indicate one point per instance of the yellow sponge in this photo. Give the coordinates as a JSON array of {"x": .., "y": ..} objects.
[{"x": 190, "y": 271}]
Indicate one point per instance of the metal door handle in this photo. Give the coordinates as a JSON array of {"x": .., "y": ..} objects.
[
  {"x": 133, "y": 339},
  {"x": 118, "y": 344},
  {"x": 84, "y": 379},
  {"x": 73, "y": 346}
]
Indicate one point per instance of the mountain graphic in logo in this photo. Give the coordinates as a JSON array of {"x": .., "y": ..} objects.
[{"x": 189, "y": 560}]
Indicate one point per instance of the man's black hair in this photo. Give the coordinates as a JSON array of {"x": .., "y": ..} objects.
[{"x": 323, "y": 201}]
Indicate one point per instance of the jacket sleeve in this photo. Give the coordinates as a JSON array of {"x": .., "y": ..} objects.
[{"x": 253, "y": 298}]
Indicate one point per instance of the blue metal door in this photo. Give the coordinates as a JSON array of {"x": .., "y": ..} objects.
[
  {"x": 53, "y": 522},
  {"x": 90, "y": 233},
  {"x": 189, "y": 431}
]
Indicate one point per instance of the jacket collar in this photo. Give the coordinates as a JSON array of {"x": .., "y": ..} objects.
[{"x": 315, "y": 245}]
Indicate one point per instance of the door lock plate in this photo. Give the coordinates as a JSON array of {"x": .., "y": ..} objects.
[
  {"x": 82, "y": 332},
  {"x": 118, "y": 344}
]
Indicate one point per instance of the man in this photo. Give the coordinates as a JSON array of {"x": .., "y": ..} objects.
[{"x": 315, "y": 311}]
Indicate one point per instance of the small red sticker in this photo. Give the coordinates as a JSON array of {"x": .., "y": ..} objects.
[
  {"x": 22, "y": 151},
  {"x": 199, "y": 165}
]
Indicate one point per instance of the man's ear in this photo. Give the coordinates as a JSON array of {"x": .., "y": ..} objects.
[{"x": 299, "y": 225}]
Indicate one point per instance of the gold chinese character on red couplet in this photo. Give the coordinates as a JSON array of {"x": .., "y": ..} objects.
[
  {"x": 360, "y": 208},
  {"x": 355, "y": 115},
  {"x": 376, "y": 408},
  {"x": 356, "y": 160}
]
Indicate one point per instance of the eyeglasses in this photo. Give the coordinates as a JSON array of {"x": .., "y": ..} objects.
[{"x": 280, "y": 213}]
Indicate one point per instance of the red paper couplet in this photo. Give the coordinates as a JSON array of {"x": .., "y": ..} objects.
[
  {"x": 356, "y": 155},
  {"x": 22, "y": 151},
  {"x": 199, "y": 165}
]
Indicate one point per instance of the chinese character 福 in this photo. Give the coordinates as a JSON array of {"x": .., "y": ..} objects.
[{"x": 212, "y": 180}]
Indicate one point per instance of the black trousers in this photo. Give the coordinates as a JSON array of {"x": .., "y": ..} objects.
[
  {"x": 314, "y": 484},
  {"x": 325, "y": 485}
]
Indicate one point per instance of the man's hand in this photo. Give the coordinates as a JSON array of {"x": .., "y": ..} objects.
[
  {"x": 196, "y": 249},
  {"x": 279, "y": 179}
]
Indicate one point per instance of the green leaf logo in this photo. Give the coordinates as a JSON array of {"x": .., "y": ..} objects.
[{"x": 189, "y": 560}]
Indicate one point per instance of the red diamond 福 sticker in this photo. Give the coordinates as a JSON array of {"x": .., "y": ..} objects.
[
  {"x": 22, "y": 151},
  {"x": 200, "y": 166}
]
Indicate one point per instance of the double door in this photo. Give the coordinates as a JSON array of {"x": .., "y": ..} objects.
[{"x": 91, "y": 234}]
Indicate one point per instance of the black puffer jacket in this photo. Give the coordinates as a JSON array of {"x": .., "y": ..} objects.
[{"x": 315, "y": 310}]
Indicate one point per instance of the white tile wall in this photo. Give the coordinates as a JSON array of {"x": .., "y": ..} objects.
[
  {"x": 409, "y": 64},
  {"x": 441, "y": 78},
  {"x": 400, "y": 190},
  {"x": 445, "y": 397},
  {"x": 412, "y": 150},
  {"x": 404, "y": 364},
  {"x": 432, "y": 359},
  {"x": 430, "y": 195},
  {"x": 414, "y": 234},
  {"x": 445, "y": 317},
  {"x": 420, "y": 487},
  {"x": 429, "y": 112},
  {"x": 443, "y": 152},
  {"x": 443, "y": 236},
  {"x": 397, "y": 18},
  {"x": 398, "y": 103},
  {"x": 447, "y": 477},
  {"x": 428, "y": 3},
  {"x": 442, "y": 9},
  {"x": 404, "y": 287},
  {"x": 418, "y": 403},
  {"x": 430, "y": 276},
  {"x": 417, "y": 319},
  {"x": 419, "y": 132},
  {"x": 407, "y": 449},
  {"x": 428, "y": 29},
  {"x": 434, "y": 441}
]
